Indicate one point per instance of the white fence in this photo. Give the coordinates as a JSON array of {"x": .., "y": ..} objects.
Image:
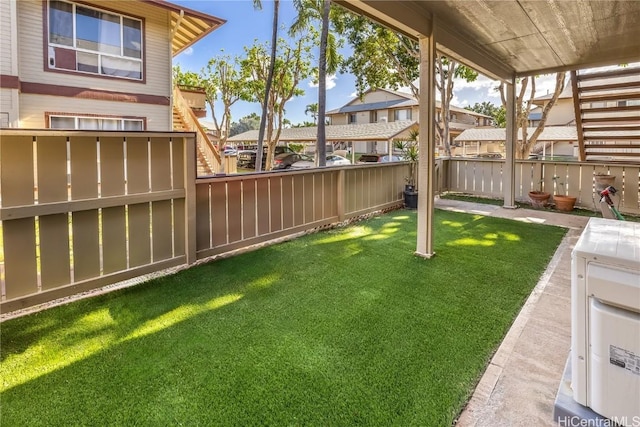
[{"x": 486, "y": 178}]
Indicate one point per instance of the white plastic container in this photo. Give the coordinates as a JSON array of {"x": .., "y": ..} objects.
[{"x": 605, "y": 327}]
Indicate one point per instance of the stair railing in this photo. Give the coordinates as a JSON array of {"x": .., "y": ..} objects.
[{"x": 209, "y": 150}]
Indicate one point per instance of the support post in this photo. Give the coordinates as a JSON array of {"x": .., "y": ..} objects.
[
  {"x": 509, "y": 175},
  {"x": 190, "y": 172},
  {"x": 426, "y": 159},
  {"x": 340, "y": 194}
]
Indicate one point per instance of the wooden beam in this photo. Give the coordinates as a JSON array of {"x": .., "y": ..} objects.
[
  {"x": 611, "y": 128},
  {"x": 426, "y": 161},
  {"x": 611, "y": 97},
  {"x": 613, "y": 153},
  {"x": 578, "y": 114},
  {"x": 620, "y": 146},
  {"x": 610, "y": 86},
  {"x": 609, "y": 119},
  {"x": 610, "y": 137},
  {"x": 620, "y": 72},
  {"x": 625, "y": 109}
]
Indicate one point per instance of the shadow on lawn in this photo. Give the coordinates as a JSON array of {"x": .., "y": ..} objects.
[
  {"x": 160, "y": 303},
  {"x": 170, "y": 348}
]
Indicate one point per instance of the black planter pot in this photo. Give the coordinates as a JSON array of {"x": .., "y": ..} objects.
[{"x": 411, "y": 199}]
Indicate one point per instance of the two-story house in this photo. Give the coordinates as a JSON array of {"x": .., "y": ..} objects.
[
  {"x": 384, "y": 105},
  {"x": 93, "y": 64}
]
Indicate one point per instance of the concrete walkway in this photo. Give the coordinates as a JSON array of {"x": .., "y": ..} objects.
[{"x": 520, "y": 384}]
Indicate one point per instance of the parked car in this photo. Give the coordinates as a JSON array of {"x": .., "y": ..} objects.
[
  {"x": 332, "y": 160},
  {"x": 247, "y": 158},
  {"x": 378, "y": 158},
  {"x": 370, "y": 158},
  {"x": 489, "y": 156},
  {"x": 285, "y": 160},
  {"x": 386, "y": 158}
]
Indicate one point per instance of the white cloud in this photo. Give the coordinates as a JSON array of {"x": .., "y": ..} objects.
[
  {"x": 331, "y": 82},
  {"x": 480, "y": 83},
  {"x": 188, "y": 51}
]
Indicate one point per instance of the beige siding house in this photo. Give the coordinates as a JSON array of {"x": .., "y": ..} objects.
[
  {"x": 383, "y": 105},
  {"x": 562, "y": 113},
  {"x": 93, "y": 64}
]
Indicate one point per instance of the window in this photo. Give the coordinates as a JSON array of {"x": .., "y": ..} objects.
[
  {"x": 402, "y": 114},
  {"x": 93, "y": 41},
  {"x": 373, "y": 117},
  {"x": 95, "y": 123},
  {"x": 352, "y": 118}
]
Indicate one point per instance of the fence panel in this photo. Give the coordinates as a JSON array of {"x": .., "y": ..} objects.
[
  {"x": 474, "y": 176},
  {"x": 95, "y": 223}
]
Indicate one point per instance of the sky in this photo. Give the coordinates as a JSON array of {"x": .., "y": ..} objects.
[{"x": 245, "y": 24}]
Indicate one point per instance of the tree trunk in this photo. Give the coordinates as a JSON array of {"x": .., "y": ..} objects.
[
  {"x": 560, "y": 81},
  {"x": 321, "y": 143},
  {"x": 267, "y": 90}
]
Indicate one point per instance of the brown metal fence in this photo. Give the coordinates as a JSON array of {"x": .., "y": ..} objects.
[{"x": 80, "y": 210}]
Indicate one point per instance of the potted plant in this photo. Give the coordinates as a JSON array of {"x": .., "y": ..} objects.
[
  {"x": 539, "y": 199},
  {"x": 563, "y": 202},
  {"x": 409, "y": 150}
]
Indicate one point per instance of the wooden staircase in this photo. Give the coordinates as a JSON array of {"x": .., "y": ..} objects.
[
  {"x": 184, "y": 119},
  {"x": 607, "y": 109}
]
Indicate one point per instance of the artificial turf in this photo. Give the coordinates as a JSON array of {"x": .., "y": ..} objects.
[{"x": 340, "y": 328}]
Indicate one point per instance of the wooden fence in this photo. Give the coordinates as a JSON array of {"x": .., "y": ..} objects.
[
  {"x": 485, "y": 178},
  {"x": 80, "y": 210}
]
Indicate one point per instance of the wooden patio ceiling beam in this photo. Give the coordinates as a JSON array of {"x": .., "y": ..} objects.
[
  {"x": 578, "y": 114},
  {"x": 416, "y": 22}
]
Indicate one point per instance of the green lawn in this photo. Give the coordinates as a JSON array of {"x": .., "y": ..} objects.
[{"x": 341, "y": 328}]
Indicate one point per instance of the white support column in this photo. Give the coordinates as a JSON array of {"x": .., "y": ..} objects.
[
  {"x": 509, "y": 176},
  {"x": 426, "y": 161}
]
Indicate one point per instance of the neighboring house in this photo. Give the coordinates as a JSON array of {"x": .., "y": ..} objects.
[
  {"x": 383, "y": 105},
  {"x": 561, "y": 114},
  {"x": 554, "y": 141},
  {"x": 93, "y": 64}
]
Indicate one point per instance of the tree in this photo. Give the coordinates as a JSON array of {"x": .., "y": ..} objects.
[
  {"x": 523, "y": 104},
  {"x": 489, "y": 109},
  {"x": 223, "y": 81},
  {"x": 269, "y": 82},
  {"x": 328, "y": 61},
  {"x": 292, "y": 65},
  {"x": 446, "y": 70},
  {"x": 185, "y": 78},
  {"x": 304, "y": 124},
  {"x": 382, "y": 58},
  {"x": 312, "y": 110},
  {"x": 247, "y": 123}
]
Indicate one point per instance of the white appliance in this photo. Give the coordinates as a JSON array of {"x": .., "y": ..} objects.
[{"x": 605, "y": 322}]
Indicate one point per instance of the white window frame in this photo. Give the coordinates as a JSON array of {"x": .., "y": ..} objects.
[
  {"x": 407, "y": 111},
  {"x": 76, "y": 121},
  {"x": 98, "y": 53}
]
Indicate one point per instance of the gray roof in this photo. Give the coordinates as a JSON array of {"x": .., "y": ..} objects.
[
  {"x": 353, "y": 132},
  {"x": 408, "y": 101},
  {"x": 371, "y": 106},
  {"x": 550, "y": 133}
]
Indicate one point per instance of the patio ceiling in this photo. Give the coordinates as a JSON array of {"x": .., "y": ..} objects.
[
  {"x": 517, "y": 37},
  {"x": 187, "y": 25}
]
